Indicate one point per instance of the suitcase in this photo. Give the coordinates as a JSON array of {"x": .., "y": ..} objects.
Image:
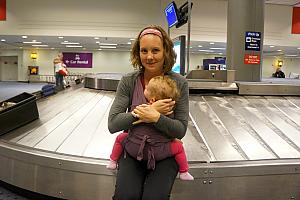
[
  {"x": 48, "y": 90},
  {"x": 21, "y": 110}
]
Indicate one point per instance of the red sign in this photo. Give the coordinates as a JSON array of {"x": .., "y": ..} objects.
[
  {"x": 251, "y": 59},
  {"x": 2, "y": 10},
  {"x": 296, "y": 20}
]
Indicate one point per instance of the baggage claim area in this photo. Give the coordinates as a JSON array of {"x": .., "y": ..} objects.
[{"x": 242, "y": 141}]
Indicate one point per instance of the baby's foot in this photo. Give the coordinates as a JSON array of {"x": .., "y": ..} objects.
[
  {"x": 186, "y": 176},
  {"x": 112, "y": 165}
]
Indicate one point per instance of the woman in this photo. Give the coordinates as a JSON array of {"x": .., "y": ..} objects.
[{"x": 153, "y": 55}]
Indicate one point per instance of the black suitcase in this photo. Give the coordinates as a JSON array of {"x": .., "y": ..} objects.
[{"x": 22, "y": 109}]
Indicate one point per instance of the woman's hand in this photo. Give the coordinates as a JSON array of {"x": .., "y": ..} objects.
[
  {"x": 164, "y": 106},
  {"x": 146, "y": 113}
]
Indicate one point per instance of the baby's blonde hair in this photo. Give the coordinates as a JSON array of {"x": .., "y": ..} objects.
[{"x": 163, "y": 87}]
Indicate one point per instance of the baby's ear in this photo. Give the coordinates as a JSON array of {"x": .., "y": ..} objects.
[{"x": 152, "y": 100}]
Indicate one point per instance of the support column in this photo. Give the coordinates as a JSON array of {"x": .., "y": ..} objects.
[{"x": 244, "y": 16}]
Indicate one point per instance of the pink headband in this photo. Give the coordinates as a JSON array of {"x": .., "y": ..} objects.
[{"x": 151, "y": 31}]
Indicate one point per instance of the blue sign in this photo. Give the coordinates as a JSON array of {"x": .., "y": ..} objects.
[
  {"x": 252, "y": 41},
  {"x": 171, "y": 14}
]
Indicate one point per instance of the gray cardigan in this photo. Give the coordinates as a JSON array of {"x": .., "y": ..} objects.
[{"x": 119, "y": 119}]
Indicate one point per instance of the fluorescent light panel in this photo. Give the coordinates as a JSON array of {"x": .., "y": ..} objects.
[
  {"x": 73, "y": 46},
  {"x": 33, "y": 42},
  {"x": 39, "y": 45},
  {"x": 108, "y": 44},
  {"x": 108, "y": 47},
  {"x": 71, "y": 43},
  {"x": 217, "y": 48}
]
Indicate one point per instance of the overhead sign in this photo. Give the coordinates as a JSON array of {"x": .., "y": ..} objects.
[
  {"x": 296, "y": 20},
  {"x": 2, "y": 10},
  {"x": 252, "y": 41},
  {"x": 78, "y": 60},
  {"x": 251, "y": 59}
]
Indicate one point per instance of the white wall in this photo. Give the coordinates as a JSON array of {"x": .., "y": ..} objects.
[
  {"x": 22, "y": 72},
  {"x": 209, "y": 21},
  {"x": 278, "y": 26},
  {"x": 9, "y": 68},
  {"x": 103, "y": 61},
  {"x": 289, "y": 65}
]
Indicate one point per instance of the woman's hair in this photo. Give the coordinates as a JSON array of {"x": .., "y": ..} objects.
[
  {"x": 163, "y": 87},
  {"x": 169, "y": 53}
]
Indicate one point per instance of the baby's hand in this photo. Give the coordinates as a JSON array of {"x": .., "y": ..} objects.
[
  {"x": 136, "y": 116},
  {"x": 137, "y": 122}
]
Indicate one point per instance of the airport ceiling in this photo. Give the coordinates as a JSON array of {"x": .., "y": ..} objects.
[{"x": 64, "y": 43}]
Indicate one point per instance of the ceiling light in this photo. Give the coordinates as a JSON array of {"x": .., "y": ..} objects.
[
  {"x": 291, "y": 55},
  {"x": 60, "y": 37},
  {"x": 33, "y": 42},
  {"x": 99, "y": 49},
  {"x": 24, "y": 36},
  {"x": 73, "y": 46},
  {"x": 205, "y": 50},
  {"x": 272, "y": 46},
  {"x": 3, "y": 40},
  {"x": 39, "y": 45},
  {"x": 279, "y": 50},
  {"x": 97, "y": 42},
  {"x": 96, "y": 38},
  {"x": 108, "y": 44},
  {"x": 211, "y": 43},
  {"x": 108, "y": 47},
  {"x": 298, "y": 48},
  {"x": 70, "y": 43},
  {"x": 217, "y": 48},
  {"x": 131, "y": 39},
  {"x": 200, "y": 46},
  {"x": 66, "y": 41},
  {"x": 128, "y": 42}
]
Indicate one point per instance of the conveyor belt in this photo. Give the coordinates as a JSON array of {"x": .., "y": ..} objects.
[{"x": 257, "y": 136}]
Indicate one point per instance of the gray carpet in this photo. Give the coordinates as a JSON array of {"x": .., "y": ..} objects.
[{"x": 10, "y": 89}]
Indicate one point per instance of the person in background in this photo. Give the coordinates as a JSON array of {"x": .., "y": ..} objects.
[
  {"x": 278, "y": 73},
  {"x": 159, "y": 87},
  {"x": 59, "y": 65},
  {"x": 152, "y": 55}
]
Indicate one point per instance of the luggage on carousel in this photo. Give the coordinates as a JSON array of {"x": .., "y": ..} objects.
[{"x": 48, "y": 89}]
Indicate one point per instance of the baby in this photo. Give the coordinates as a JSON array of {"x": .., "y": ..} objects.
[{"x": 159, "y": 87}]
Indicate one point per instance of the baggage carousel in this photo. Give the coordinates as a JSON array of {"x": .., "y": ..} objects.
[{"x": 238, "y": 147}]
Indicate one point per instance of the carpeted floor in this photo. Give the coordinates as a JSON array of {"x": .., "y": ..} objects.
[{"x": 10, "y": 89}]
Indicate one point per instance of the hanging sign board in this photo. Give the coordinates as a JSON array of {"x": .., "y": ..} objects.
[
  {"x": 78, "y": 60},
  {"x": 2, "y": 10}
]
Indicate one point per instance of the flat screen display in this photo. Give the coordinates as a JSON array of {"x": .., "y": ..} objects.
[
  {"x": 171, "y": 14},
  {"x": 179, "y": 48},
  {"x": 176, "y": 67}
]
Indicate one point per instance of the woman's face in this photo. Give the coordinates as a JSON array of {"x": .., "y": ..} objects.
[{"x": 152, "y": 54}]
